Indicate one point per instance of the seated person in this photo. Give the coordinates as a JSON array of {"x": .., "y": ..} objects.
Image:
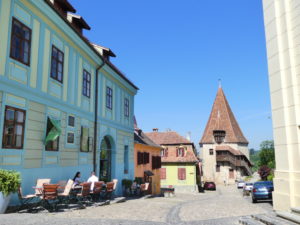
[
  {"x": 92, "y": 179},
  {"x": 77, "y": 180}
]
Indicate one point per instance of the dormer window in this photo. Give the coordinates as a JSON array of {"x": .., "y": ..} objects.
[
  {"x": 78, "y": 22},
  {"x": 63, "y": 6},
  {"x": 164, "y": 152},
  {"x": 219, "y": 135},
  {"x": 180, "y": 152}
]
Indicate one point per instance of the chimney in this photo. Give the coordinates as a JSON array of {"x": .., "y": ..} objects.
[
  {"x": 140, "y": 132},
  {"x": 155, "y": 129}
]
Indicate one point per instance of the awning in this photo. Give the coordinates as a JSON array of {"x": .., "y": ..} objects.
[
  {"x": 148, "y": 173},
  {"x": 55, "y": 131}
]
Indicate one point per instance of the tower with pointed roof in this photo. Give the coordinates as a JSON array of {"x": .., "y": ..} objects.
[{"x": 224, "y": 148}]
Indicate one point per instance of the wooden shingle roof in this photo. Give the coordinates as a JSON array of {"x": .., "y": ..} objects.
[{"x": 222, "y": 118}]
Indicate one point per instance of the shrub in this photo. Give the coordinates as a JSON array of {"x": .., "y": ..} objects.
[
  {"x": 270, "y": 177},
  {"x": 10, "y": 181},
  {"x": 126, "y": 183}
]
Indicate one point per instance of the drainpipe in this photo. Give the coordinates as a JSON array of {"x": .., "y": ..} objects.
[{"x": 96, "y": 117}]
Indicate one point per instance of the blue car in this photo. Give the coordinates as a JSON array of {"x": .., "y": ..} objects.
[{"x": 262, "y": 190}]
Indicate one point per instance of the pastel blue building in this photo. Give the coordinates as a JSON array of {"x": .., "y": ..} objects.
[{"x": 64, "y": 106}]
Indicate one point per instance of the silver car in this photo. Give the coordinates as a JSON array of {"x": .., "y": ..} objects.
[{"x": 240, "y": 184}]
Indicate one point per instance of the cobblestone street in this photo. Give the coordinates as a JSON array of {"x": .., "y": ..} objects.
[{"x": 222, "y": 207}]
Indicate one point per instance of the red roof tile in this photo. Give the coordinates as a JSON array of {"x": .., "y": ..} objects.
[{"x": 167, "y": 138}]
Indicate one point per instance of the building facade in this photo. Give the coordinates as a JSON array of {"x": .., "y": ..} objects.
[
  {"x": 179, "y": 162},
  {"x": 282, "y": 31},
  {"x": 147, "y": 161},
  {"x": 223, "y": 147},
  {"x": 64, "y": 106}
]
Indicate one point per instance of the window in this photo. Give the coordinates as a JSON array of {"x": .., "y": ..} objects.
[
  {"x": 219, "y": 135},
  {"x": 14, "y": 126},
  {"x": 180, "y": 152},
  {"x": 126, "y": 159},
  {"x": 211, "y": 151},
  {"x": 70, "y": 139},
  {"x": 53, "y": 143},
  {"x": 181, "y": 174},
  {"x": 84, "y": 144},
  {"x": 143, "y": 158},
  {"x": 126, "y": 107},
  {"x": 164, "y": 152},
  {"x": 71, "y": 121},
  {"x": 57, "y": 64},
  {"x": 218, "y": 168},
  {"x": 20, "y": 42},
  {"x": 109, "y": 97},
  {"x": 163, "y": 173},
  {"x": 86, "y": 84}
]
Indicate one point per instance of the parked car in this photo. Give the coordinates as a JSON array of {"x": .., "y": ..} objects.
[
  {"x": 240, "y": 184},
  {"x": 210, "y": 186},
  {"x": 247, "y": 189},
  {"x": 262, "y": 190}
]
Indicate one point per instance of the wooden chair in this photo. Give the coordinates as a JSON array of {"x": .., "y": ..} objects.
[
  {"x": 109, "y": 190},
  {"x": 50, "y": 196},
  {"x": 40, "y": 183},
  {"x": 98, "y": 186},
  {"x": 27, "y": 201},
  {"x": 62, "y": 184},
  {"x": 64, "y": 197},
  {"x": 85, "y": 194}
]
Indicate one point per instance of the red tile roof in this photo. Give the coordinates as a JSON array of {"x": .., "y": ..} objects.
[
  {"x": 222, "y": 118},
  {"x": 228, "y": 148},
  {"x": 172, "y": 157},
  {"x": 167, "y": 138}
]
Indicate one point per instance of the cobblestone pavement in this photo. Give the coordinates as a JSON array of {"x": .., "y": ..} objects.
[{"x": 221, "y": 207}]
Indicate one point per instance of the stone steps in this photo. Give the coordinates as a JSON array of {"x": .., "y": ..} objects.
[
  {"x": 296, "y": 210},
  {"x": 264, "y": 219},
  {"x": 290, "y": 216}
]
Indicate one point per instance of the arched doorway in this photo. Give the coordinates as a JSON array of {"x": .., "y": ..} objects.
[{"x": 105, "y": 159}]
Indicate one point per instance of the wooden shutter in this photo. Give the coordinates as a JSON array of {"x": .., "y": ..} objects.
[
  {"x": 166, "y": 152},
  {"x": 176, "y": 152},
  {"x": 181, "y": 174},
  {"x": 163, "y": 173},
  {"x": 139, "y": 156}
]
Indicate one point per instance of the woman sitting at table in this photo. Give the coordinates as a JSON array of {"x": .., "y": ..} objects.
[{"x": 77, "y": 180}]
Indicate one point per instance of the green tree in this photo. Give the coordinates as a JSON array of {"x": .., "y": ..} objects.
[{"x": 267, "y": 154}]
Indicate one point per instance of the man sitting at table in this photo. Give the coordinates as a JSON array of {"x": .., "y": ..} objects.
[{"x": 92, "y": 179}]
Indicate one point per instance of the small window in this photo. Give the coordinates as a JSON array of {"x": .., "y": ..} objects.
[
  {"x": 156, "y": 162},
  {"x": 109, "y": 94},
  {"x": 53, "y": 144},
  {"x": 211, "y": 151},
  {"x": 126, "y": 107},
  {"x": 57, "y": 64},
  {"x": 86, "y": 84},
  {"x": 218, "y": 168},
  {"x": 71, "y": 138},
  {"x": 14, "y": 126},
  {"x": 180, "y": 152},
  {"x": 126, "y": 159},
  {"x": 71, "y": 121},
  {"x": 20, "y": 42},
  {"x": 164, "y": 152}
]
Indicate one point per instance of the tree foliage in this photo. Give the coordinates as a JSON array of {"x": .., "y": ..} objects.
[{"x": 267, "y": 154}]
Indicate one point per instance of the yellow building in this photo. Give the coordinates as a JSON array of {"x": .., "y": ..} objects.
[{"x": 178, "y": 161}]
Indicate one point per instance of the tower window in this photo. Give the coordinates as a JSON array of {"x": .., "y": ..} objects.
[{"x": 219, "y": 135}]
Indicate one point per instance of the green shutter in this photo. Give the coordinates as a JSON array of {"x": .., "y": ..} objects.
[{"x": 55, "y": 131}]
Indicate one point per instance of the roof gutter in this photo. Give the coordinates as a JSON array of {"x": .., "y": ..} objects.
[{"x": 96, "y": 117}]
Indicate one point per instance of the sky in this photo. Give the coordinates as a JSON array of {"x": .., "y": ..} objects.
[{"x": 175, "y": 51}]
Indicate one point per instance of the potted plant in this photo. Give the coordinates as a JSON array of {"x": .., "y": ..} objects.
[
  {"x": 126, "y": 186},
  {"x": 9, "y": 183}
]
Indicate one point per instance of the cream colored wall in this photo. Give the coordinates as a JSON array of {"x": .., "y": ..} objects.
[
  {"x": 282, "y": 29},
  {"x": 209, "y": 162}
]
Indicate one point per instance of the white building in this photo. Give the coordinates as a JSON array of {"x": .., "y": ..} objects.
[{"x": 282, "y": 27}]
